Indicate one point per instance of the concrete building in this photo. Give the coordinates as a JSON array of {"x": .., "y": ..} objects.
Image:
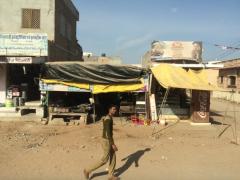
[
  {"x": 229, "y": 75},
  {"x": 229, "y": 80},
  {"x": 212, "y": 74},
  {"x": 54, "y": 20},
  {"x": 90, "y": 58}
]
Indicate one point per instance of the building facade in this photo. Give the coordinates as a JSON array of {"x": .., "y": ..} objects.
[
  {"x": 22, "y": 20},
  {"x": 57, "y": 18},
  {"x": 181, "y": 102},
  {"x": 229, "y": 75},
  {"x": 88, "y": 58}
]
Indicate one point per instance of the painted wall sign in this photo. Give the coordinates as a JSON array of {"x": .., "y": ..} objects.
[
  {"x": 16, "y": 44},
  {"x": 200, "y": 106}
]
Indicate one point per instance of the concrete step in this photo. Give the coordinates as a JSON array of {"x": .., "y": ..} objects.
[
  {"x": 8, "y": 109},
  {"x": 33, "y": 103},
  {"x": 20, "y": 111}
]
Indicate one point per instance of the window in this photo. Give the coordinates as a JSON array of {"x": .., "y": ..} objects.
[
  {"x": 232, "y": 81},
  {"x": 238, "y": 72},
  {"x": 31, "y": 18},
  {"x": 221, "y": 79}
]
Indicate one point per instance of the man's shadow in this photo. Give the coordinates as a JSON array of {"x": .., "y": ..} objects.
[{"x": 130, "y": 159}]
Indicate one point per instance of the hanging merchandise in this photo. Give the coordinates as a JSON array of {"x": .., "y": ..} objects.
[
  {"x": 15, "y": 101},
  {"x": 24, "y": 70},
  {"x": 13, "y": 91},
  {"x": 9, "y": 94}
]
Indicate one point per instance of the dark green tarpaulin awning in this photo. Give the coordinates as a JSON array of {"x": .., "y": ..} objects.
[{"x": 92, "y": 73}]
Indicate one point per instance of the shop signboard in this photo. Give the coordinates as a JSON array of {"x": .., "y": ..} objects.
[
  {"x": 17, "y": 44},
  {"x": 19, "y": 60},
  {"x": 200, "y": 106},
  {"x": 59, "y": 87},
  {"x": 177, "y": 50}
]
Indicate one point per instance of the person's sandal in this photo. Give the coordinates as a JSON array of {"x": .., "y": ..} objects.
[{"x": 86, "y": 174}]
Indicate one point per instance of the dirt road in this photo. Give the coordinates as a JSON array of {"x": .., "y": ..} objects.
[{"x": 30, "y": 150}]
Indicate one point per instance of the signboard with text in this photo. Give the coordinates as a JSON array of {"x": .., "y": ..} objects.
[
  {"x": 177, "y": 50},
  {"x": 16, "y": 44},
  {"x": 22, "y": 60},
  {"x": 59, "y": 87},
  {"x": 200, "y": 106},
  {"x": 19, "y": 60}
]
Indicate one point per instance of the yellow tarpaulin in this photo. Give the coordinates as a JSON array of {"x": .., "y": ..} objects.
[
  {"x": 78, "y": 85},
  {"x": 117, "y": 88},
  {"x": 170, "y": 76}
]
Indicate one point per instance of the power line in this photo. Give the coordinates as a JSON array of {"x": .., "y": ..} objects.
[
  {"x": 228, "y": 52},
  {"x": 228, "y": 49}
]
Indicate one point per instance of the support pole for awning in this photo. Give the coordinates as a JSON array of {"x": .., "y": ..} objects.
[
  {"x": 94, "y": 108},
  {"x": 160, "y": 112},
  {"x": 163, "y": 102}
]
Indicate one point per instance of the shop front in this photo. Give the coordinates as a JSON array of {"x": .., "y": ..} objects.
[
  {"x": 21, "y": 56},
  {"x": 65, "y": 100},
  {"x": 181, "y": 93},
  {"x": 19, "y": 81},
  {"x": 94, "y": 86}
]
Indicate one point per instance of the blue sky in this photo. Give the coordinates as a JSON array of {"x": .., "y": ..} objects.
[{"x": 126, "y": 28}]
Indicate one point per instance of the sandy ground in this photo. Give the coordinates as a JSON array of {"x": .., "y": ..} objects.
[{"x": 30, "y": 150}]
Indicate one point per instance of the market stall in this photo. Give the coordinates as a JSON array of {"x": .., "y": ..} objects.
[
  {"x": 183, "y": 91},
  {"x": 91, "y": 81}
]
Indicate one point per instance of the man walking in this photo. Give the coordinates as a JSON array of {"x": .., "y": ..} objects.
[{"x": 108, "y": 146}]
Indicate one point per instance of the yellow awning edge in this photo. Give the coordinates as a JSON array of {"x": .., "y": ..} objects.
[
  {"x": 100, "y": 88},
  {"x": 170, "y": 76}
]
